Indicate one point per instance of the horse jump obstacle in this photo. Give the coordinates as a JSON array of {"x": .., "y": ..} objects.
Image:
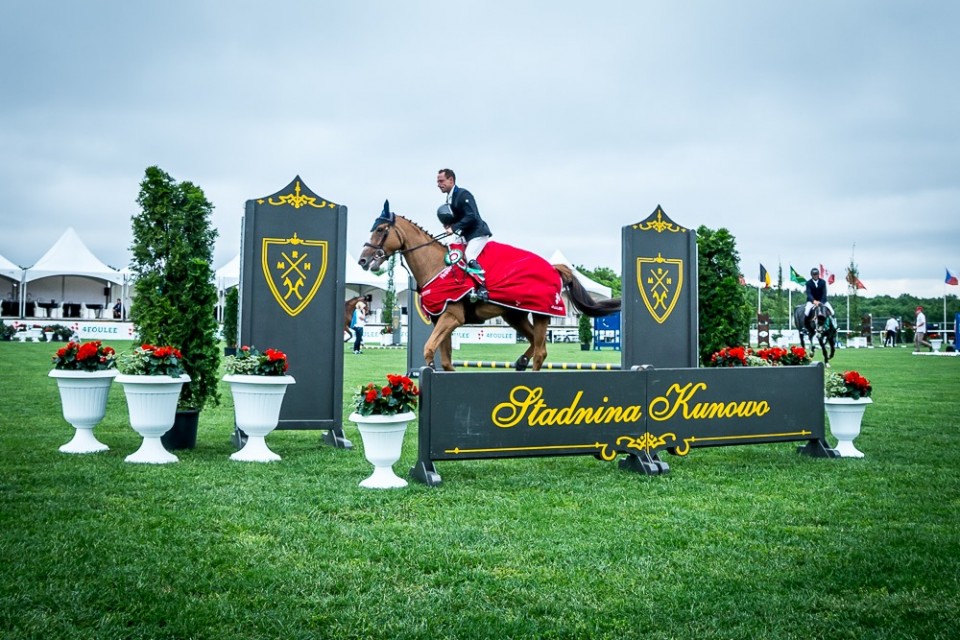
[
  {"x": 558, "y": 366},
  {"x": 639, "y": 410}
]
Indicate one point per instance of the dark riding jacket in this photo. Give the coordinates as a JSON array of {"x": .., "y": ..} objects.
[
  {"x": 466, "y": 217},
  {"x": 816, "y": 290}
]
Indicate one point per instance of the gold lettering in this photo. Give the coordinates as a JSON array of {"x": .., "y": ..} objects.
[
  {"x": 679, "y": 398},
  {"x": 526, "y": 404}
]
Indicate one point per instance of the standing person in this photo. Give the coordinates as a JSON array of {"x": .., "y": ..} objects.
[
  {"x": 892, "y": 327},
  {"x": 920, "y": 331},
  {"x": 462, "y": 217},
  {"x": 357, "y": 323},
  {"x": 816, "y": 295}
]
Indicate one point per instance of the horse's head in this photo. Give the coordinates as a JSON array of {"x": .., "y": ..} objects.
[{"x": 384, "y": 241}]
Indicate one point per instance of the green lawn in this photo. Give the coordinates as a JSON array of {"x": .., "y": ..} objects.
[{"x": 737, "y": 542}]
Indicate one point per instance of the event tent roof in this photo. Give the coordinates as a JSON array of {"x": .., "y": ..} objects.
[
  {"x": 593, "y": 287},
  {"x": 69, "y": 256},
  {"x": 229, "y": 276},
  {"x": 10, "y": 270}
]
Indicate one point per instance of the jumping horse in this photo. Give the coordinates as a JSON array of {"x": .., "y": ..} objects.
[
  {"x": 425, "y": 256},
  {"x": 824, "y": 328}
]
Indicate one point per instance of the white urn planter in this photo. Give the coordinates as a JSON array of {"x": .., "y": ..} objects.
[
  {"x": 256, "y": 407},
  {"x": 83, "y": 396},
  {"x": 152, "y": 405},
  {"x": 844, "y": 416},
  {"x": 382, "y": 442}
]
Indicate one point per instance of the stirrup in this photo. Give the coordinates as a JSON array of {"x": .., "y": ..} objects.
[{"x": 480, "y": 294}]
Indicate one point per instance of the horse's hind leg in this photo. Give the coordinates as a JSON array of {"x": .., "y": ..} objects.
[
  {"x": 521, "y": 322},
  {"x": 540, "y": 324}
]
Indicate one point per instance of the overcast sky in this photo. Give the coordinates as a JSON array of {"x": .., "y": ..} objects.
[{"x": 814, "y": 132}]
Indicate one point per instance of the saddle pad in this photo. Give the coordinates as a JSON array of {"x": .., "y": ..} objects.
[{"x": 515, "y": 278}]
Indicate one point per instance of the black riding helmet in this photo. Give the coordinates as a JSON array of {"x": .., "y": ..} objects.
[{"x": 445, "y": 215}]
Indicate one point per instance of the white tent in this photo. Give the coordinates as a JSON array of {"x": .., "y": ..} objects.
[
  {"x": 10, "y": 270},
  {"x": 70, "y": 258},
  {"x": 11, "y": 299},
  {"x": 595, "y": 288},
  {"x": 356, "y": 278},
  {"x": 229, "y": 274}
]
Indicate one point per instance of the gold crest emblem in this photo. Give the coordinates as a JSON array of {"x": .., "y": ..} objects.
[
  {"x": 660, "y": 281},
  {"x": 294, "y": 269}
]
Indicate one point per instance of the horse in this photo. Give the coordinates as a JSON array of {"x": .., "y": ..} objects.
[
  {"x": 425, "y": 258},
  {"x": 824, "y": 328},
  {"x": 348, "y": 308}
]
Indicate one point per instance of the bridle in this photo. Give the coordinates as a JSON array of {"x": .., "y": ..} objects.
[{"x": 381, "y": 255}]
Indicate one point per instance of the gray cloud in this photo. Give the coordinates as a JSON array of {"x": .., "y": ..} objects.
[{"x": 805, "y": 130}]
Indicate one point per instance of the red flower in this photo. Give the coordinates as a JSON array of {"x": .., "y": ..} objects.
[
  {"x": 386, "y": 391},
  {"x": 370, "y": 396}
]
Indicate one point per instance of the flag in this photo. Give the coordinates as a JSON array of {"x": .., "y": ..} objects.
[
  {"x": 826, "y": 275},
  {"x": 796, "y": 277},
  {"x": 854, "y": 281},
  {"x": 951, "y": 278},
  {"x": 764, "y": 277}
]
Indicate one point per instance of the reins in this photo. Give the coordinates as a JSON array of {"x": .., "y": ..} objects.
[{"x": 391, "y": 226}]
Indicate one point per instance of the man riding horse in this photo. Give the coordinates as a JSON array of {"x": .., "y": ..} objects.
[
  {"x": 816, "y": 296},
  {"x": 461, "y": 216}
]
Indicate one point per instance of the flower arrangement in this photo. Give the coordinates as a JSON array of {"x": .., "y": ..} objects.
[
  {"x": 398, "y": 396},
  {"x": 730, "y": 357},
  {"x": 771, "y": 356},
  {"x": 794, "y": 356},
  {"x": 250, "y": 362},
  {"x": 849, "y": 384},
  {"x": 87, "y": 356},
  {"x": 149, "y": 360}
]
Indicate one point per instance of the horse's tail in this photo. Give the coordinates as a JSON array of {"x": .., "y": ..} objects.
[{"x": 582, "y": 299}]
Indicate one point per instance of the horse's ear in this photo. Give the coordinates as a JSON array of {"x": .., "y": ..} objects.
[{"x": 386, "y": 208}]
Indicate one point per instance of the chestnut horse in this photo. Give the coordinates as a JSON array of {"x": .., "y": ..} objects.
[
  {"x": 348, "y": 308},
  {"x": 425, "y": 255}
]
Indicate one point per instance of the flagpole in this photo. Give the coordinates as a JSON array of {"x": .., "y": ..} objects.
[{"x": 790, "y": 308}]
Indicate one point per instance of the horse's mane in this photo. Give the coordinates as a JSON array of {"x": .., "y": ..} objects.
[{"x": 415, "y": 225}]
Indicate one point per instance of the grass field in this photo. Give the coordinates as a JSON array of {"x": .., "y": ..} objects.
[{"x": 737, "y": 542}]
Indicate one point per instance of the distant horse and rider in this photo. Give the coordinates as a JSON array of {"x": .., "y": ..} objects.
[
  {"x": 521, "y": 286},
  {"x": 820, "y": 324}
]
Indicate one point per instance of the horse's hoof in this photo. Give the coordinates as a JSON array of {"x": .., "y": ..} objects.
[{"x": 521, "y": 363}]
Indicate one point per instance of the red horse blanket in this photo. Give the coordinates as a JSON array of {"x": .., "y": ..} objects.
[{"x": 515, "y": 278}]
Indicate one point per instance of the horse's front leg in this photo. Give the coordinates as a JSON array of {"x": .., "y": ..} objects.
[
  {"x": 446, "y": 354},
  {"x": 442, "y": 330}
]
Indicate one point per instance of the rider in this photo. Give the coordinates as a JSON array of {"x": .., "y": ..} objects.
[
  {"x": 816, "y": 295},
  {"x": 461, "y": 216}
]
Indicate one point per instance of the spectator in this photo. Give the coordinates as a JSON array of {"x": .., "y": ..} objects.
[
  {"x": 920, "y": 332},
  {"x": 891, "y": 336},
  {"x": 118, "y": 310}
]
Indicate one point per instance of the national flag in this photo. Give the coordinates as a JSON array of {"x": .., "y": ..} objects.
[
  {"x": 796, "y": 277},
  {"x": 764, "y": 277},
  {"x": 826, "y": 275},
  {"x": 854, "y": 281},
  {"x": 951, "y": 278},
  {"x": 860, "y": 284}
]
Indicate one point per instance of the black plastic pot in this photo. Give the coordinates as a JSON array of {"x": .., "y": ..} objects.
[{"x": 183, "y": 433}]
